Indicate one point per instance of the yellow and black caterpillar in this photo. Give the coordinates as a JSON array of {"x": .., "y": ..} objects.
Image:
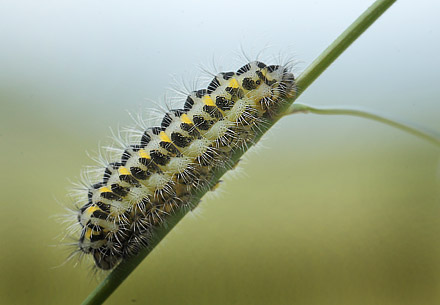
[{"x": 159, "y": 173}]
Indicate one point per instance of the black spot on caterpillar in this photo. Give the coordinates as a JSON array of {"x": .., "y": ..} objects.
[{"x": 157, "y": 176}]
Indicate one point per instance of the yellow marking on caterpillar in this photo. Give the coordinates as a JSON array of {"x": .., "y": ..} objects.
[
  {"x": 104, "y": 189},
  {"x": 264, "y": 72},
  {"x": 88, "y": 233},
  {"x": 144, "y": 154},
  {"x": 207, "y": 100},
  {"x": 124, "y": 171},
  {"x": 185, "y": 119},
  {"x": 92, "y": 209},
  {"x": 163, "y": 137},
  {"x": 233, "y": 83}
]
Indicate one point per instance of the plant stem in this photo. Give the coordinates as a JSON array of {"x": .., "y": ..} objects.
[
  {"x": 120, "y": 273},
  {"x": 428, "y": 135},
  {"x": 341, "y": 43}
]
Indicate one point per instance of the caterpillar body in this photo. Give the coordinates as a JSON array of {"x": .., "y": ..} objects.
[{"x": 159, "y": 174}]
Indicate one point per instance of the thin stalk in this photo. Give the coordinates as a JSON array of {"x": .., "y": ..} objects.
[
  {"x": 340, "y": 44},
  {"x": 120, "y": 273},
  {"x": 408, "y": 127}
]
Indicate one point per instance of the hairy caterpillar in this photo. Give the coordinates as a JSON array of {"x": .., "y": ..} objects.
[{"x": 158, "y": 174}]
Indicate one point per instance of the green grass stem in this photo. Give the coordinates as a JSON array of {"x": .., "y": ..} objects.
[
  {"x": 408, "y": 127},
  {"x": 123, "y": 270}
]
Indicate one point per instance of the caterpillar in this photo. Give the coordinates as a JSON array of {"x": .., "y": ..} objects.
[{"x": 158, "y": 175}]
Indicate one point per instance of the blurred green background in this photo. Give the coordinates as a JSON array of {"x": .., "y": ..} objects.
[{"x": 329, "y": 210}]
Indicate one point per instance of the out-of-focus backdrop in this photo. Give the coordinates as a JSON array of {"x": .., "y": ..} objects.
[{"x": 329, "y": 210}]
